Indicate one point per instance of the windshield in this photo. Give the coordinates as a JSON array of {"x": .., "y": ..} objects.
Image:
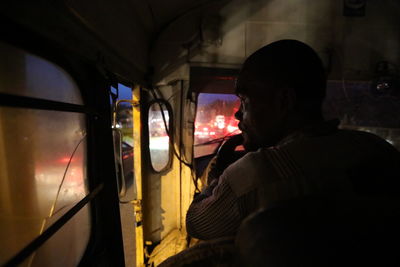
[{"x": 215, "y": 121}]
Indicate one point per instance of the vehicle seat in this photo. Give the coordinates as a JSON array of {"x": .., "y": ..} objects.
[
  {"x": 214, "y": 253},
  {"x": 323, "y": 231}
]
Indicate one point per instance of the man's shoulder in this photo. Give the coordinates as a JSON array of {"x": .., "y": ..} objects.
[
  {"x": 343, "y": 139},
  {"x": 373, "y": 145},
  {"x": 368, "y": 137},
  {"x": 339, "y": 149},
  {"x": 249, "y": 172}
]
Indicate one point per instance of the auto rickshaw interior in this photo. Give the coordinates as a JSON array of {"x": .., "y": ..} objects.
[{"x": 110, "y": 111}]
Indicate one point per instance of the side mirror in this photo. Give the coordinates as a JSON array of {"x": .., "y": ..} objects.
[{"x": 159, "y": 123}]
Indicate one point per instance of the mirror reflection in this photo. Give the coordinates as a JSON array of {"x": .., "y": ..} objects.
[{"x": 158, "y": 136}]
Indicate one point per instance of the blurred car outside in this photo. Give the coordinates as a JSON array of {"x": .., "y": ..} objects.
[
  {"x": 204, "y": 132},
  {"x": 127, "y": 161}
]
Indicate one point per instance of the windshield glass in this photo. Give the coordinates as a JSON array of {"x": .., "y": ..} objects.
[{"x": 215, "y": 120}]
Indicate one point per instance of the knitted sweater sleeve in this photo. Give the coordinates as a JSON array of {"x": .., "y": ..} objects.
[{"x": 214, "y": 213}]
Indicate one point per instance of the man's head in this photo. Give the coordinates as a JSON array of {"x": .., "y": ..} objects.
[{"x": 281, "y": 86}]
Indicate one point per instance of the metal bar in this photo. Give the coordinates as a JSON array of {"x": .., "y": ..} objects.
[
  {"x": 35, "y": 103},
  {"x": 132, "y": 102},
  {"x": 49, "y": 232}
]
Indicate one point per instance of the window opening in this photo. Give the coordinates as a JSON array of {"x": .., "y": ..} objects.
[
  {"x": 123, "y": 130},
  {"x": 215, "y": 121},
  {"x": 43, "y": 153},
  {"x": 42, "y": 175},
  {"x": 359, "y": 107}
]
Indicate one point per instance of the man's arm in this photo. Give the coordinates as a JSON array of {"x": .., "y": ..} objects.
[{"x": 214, "y": 213}]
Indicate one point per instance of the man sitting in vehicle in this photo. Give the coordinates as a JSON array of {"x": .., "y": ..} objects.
[{"x": 293, "y": 152}]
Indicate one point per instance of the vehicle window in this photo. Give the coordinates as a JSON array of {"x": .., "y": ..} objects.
[
  {"x": 215, "y": 120},
  {"x": 28, "y": 75},
  {"x": 360, "y": 106},
  {"x": 42, "y": 166},
  {"x": 158, "y": 136},
  {"x": 51, "y": 253}
]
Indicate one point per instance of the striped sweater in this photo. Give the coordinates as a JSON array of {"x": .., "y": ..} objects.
[{"x": 316, "y": 162}]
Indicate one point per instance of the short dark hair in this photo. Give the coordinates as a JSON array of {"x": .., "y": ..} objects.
[{"x": 287, "y": 63}]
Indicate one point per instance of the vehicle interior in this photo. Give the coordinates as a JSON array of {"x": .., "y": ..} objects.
[{"x": 110, "y": 112}]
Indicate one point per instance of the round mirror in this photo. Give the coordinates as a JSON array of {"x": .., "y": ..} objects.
[{"x": 159, "y": 144}]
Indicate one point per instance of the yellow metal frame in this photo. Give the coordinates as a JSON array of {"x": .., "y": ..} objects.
[{"x": 137, "y": 161}]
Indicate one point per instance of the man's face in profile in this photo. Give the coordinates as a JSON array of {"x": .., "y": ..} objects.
[
  {"x": 247, "y": 124},
  {"x": 260, "y": 115}
]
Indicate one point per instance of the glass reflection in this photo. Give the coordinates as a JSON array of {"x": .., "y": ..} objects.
[
  {"x": 42, "y": 172},
  {"x": 24, "y": 74},
  {"x": 66, "y": 247},
  {"x": 215, "y": 119},
  {"x": 158, "y": 136},
  {"x": 360, "y": 108}
]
